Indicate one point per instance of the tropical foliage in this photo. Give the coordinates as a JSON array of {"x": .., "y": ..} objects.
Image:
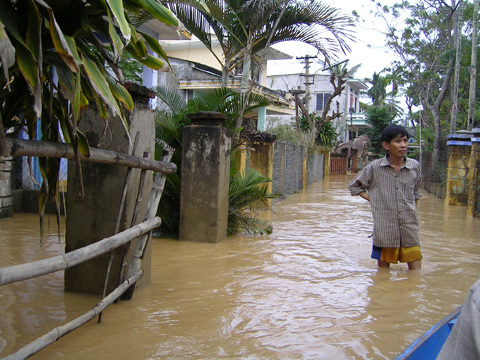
[
  {"x": 170, "y": 122},
  {"x": 380, "y": 117},
  {"x": 325, "y": 134},
  {"x": 248, "y": 197},
  {"x": 58, "y": 57},
  {"x": 245, "y": 28},
  {"x": 426, "y": 48}
]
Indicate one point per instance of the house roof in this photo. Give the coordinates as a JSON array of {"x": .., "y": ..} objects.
[{"x": 358, "y": 83}]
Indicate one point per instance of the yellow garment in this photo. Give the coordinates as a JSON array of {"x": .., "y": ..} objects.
[{"x": 402, "y": 254}]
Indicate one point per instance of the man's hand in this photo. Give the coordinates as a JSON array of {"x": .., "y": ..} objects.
[{"x": 364, "y": 195}]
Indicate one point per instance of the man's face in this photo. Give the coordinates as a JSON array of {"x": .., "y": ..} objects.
[{"x": 397, "y": 147}]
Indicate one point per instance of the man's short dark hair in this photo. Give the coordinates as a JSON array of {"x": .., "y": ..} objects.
[{"x": 392, "y": 131}]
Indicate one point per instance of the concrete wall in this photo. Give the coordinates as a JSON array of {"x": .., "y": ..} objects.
[
  {"x": 473, "y": 205},
  {"x": 260, "y": 159},
  {"x": 463, "y": 180},
  {"x": 315, "y": 168},
  {"x": 459, "y": 148},
  {"x": 6, "y": 189},
  {"x": 293, "y": 170},
  {"x": 287, "y": 168},
  {"x": 93, "y": 217}
]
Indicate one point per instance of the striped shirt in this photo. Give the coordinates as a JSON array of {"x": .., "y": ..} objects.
[{"x": 392, "y": 199}]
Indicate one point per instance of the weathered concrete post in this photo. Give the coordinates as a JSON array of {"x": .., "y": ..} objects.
[
  {"x": 459, "y": 146},
  {"x": 205, "y": 178},
  {"x": 6, "y": 188},
  {"x": 473, "y": 206},
  {"x": 261, "y": 158},
  {"x": 93, "y": 217}
]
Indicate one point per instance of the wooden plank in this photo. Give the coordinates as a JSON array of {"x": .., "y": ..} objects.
[{"x": 152, "y": 206}]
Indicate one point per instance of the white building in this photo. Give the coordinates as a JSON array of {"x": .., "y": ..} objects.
[
  {"x": 197, "y": 70},
  {"x": 319, "y": 88}
]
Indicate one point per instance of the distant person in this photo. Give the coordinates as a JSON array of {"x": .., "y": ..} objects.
[
  {"x": 464, "y": 340},
  {"x": 391, "y": 185}
]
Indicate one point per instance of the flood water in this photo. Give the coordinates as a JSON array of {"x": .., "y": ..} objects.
[{"x": 307, "y": 291}]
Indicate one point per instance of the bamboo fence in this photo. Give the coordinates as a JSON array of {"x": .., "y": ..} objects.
[
  {"x": 55, "y": 334},
  {"x": 142, "y": 231},
  {"x": 18, "y": 147},
  {"x": 37, "y": 268}
]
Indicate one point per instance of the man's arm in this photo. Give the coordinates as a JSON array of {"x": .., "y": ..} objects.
[{"x": 364, "y": 195}]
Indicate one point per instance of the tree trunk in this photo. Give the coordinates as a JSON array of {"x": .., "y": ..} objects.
[
  {"x": 247, "y": 61},
  {"x": 458, "y": 46},
  {"x": 436, "y": 113},
  {"x": 473, "y": 70},
  {"x": 225, "y": 74}
]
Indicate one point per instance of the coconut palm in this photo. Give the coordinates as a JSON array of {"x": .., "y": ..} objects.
[
  {"x": 245, "y": 27},
  {"x": 378, "y": 90}
]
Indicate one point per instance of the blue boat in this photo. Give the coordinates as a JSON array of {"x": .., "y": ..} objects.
[{"x": 428, "y": 345}]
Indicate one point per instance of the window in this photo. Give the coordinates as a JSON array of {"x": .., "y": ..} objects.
[{"x": 322, "y": 100}]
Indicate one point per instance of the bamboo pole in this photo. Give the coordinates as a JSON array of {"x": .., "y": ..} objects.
[
  {"x": 119, "y": 217},
  {"x": 141, "y": 185},
  {"x": 60, "y": 331},
  {"x": 15, "y": 273},
  {"x": 18, "y": 147},
  {"x": 152, "y": 206}
]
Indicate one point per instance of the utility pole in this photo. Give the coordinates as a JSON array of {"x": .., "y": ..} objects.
[
  {"x": 295, "y": 94},
  {"x": 308, "y": 78},
  {"x": 473, "y": 70}
]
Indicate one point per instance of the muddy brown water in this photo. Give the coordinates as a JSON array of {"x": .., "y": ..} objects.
[{"x": 307, "y": 291}]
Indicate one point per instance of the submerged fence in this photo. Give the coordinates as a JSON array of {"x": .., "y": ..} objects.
[{"x": 141, "y": 231}]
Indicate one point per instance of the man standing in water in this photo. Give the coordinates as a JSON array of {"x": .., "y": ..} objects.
[{"x": 391, "y": 186}]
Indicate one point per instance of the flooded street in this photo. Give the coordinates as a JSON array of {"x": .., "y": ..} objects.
[{"x": 307, "y": 291}]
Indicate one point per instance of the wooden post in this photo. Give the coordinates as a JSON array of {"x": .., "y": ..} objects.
[{"x": 153, "y": 201}]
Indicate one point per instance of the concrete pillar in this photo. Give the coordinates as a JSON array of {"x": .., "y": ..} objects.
[
  {"x": 261, "y": 120},
  {"x": 205, "y": 178},
  {"x": 459, "y": 146},
  {"x": 261, "y": 157},
  {"x": 326, "y": 164},
  {"x": 473, "y": 206},
  {"x": 93, "y": 217},
  {"x": 6, "y": 187}
]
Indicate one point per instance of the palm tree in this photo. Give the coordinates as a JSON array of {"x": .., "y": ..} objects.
[
  {"x": 379, "y": 94},
  {"x": 378, "y": 90},
  {"x": 244, "y": 28},
  {"x": 247, "y": 190}
]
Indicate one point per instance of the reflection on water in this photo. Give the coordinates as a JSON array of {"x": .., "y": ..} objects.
[{"x": 308, "y": 291}]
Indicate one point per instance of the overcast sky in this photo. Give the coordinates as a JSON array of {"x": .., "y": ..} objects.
[{"x": 369, "y": 49}]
